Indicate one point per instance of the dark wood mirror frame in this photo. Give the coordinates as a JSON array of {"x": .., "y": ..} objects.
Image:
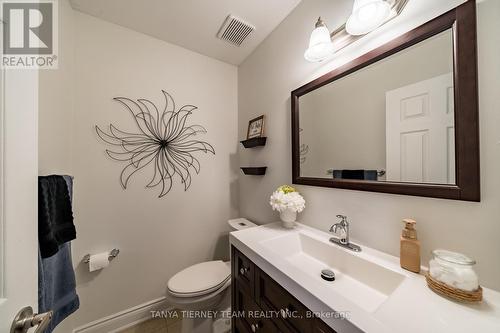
[{"x": 462, "y": 21}]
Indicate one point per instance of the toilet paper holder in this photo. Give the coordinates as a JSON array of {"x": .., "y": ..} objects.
[{"x": 112, "y": 255}]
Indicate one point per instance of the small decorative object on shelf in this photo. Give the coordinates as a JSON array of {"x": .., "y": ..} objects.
[
  {"x": 254, "y": 142},
  {"x": 451, "y": 275},
  {"x": 288, "y": 202},
  {"x": 254, "y": 171},
  {"x": 256, "y": 127}
]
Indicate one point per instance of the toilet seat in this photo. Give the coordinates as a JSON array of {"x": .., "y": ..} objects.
[{"x": 200, "y": 279}]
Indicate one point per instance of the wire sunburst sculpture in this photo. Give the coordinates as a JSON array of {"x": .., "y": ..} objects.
[{"x": 162, "y": 142}]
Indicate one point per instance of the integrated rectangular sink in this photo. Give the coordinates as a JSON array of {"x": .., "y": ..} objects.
[{"x": 359, "y": 280}]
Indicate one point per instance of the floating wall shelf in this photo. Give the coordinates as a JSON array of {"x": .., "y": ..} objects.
[
  {"x": 254, "y": 142},
  {"x": 254, "y": 171}
]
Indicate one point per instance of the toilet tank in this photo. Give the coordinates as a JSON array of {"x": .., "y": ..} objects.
[{"x": 240, "y": 224}]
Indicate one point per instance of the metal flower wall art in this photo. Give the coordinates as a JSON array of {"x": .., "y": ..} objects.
[{"x": 162, "y": 144}]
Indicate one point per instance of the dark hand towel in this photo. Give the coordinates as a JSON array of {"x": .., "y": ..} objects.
[
  {"x": 353, "y": 174},
  {"x": 55, "y": 216},
  {"x": 356, "y": 174},
  {"x": 371, "y": 175}
]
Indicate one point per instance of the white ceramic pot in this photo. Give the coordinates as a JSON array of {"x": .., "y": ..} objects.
[{"x": 288, "y": 218}]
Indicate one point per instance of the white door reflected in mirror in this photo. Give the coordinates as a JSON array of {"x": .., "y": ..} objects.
[{"x": 421, "y": 132}]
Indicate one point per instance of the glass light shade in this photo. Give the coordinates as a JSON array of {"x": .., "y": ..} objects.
[
  {"x": 320, "y": 45},
  {"x": 367, "y": 15}
]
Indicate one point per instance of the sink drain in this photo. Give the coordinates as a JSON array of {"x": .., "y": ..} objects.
[{"x": 328, "y": 275}]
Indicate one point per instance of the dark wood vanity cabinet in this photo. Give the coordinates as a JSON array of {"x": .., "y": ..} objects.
[{"x": 260, "y": 304}]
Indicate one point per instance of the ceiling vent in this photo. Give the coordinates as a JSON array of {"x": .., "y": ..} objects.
[{"x": 235, "y": 30}]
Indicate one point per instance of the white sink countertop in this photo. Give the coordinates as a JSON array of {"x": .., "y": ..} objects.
[{"x": 370, "y": 287}]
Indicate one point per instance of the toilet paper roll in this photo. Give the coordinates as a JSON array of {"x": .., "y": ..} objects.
[{"x": 98, "y": 261}]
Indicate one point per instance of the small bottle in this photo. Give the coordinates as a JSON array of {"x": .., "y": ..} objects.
[{"x": 410, "y": 247}]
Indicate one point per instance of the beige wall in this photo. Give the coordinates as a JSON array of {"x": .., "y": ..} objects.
[
  {"x": 56, "y": 101},
  {"x": 157, "y": 237},
  {"x": 277, "y": 67}
]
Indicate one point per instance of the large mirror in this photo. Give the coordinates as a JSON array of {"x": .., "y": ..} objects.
[
  {"x": 395, "y": 120},
  {"x": 390, "y": 121}
]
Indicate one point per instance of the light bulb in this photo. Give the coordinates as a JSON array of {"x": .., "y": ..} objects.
[
  {"x": 367, "y": 15},
  {"x": 320, "y": 43}
]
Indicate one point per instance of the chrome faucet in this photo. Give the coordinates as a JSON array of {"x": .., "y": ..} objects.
[
  {"x": 344, "y": 241},
  {"x": 344, "y": 225}
]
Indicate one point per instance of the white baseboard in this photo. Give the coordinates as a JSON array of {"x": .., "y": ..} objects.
[{"x": 124, "y": 319}]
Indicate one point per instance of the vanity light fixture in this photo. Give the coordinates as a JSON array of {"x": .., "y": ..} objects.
[{"x": 366, "y": 16}]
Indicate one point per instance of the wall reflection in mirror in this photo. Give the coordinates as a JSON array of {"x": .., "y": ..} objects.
[{"x": 390, "y": 121}]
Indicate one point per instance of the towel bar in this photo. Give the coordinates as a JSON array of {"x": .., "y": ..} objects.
[{"x": 112, "y": 255}]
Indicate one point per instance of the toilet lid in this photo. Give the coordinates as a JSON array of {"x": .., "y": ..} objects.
[{"x": 200, "y": 279}]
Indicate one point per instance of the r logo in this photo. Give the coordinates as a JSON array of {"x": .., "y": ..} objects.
[{"x": 28, "y": 28}]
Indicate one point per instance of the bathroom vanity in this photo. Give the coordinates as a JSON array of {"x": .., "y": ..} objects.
[
  {"x": 272, "y": 307},
  {"x": 277, "y": 287}
]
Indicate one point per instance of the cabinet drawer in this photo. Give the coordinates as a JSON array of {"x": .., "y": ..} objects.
[
  {"x": 251, "y": 317},
  {"x": 272, "y": 297},
  {"x": 319, "y": 326},
  {"x": 243, "y": 271},
  {"x": 240, "y": 326}
]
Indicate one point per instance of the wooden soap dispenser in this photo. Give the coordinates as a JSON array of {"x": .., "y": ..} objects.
[{"x": 410, "y": 247}]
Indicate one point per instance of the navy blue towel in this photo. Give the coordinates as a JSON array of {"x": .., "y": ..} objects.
[
  {"x": 56, "y": 281},
  {"x": 356, "y": 174}
]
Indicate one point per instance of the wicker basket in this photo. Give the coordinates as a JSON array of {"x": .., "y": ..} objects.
[{"x": 454, "y": 293}]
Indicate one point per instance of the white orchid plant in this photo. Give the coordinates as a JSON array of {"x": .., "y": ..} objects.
[{"x": 286, "y": 197}]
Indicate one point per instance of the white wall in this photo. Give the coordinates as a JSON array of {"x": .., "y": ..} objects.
[
  {"x": 277, "y": 67},
  {"x": 157, "y": 237}
]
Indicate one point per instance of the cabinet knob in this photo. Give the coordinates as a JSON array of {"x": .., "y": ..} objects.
[
  {"x": 255, "y": 327},
  {"x": 285, "y": 313},
  {"x": 243, "y": 270}
]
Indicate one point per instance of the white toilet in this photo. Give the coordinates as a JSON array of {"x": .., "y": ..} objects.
[{"x": 204, "y": 286}]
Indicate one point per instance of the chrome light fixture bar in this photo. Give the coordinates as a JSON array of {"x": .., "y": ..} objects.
[{"x": 367, "y": 16}]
